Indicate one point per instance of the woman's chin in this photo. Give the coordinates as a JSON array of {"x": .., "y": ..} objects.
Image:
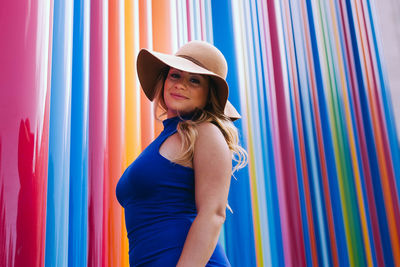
[{"x": 181, "y": 112}]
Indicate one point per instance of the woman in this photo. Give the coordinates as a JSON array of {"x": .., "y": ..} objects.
[{"x": 175, "y": 193}]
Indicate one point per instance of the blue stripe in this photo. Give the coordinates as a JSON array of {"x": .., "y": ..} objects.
[
  {"x": 238, "y": 226},
  {"x": 78, "y": 209}
]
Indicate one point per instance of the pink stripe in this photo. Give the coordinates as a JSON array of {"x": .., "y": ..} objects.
[
  {"x": 24, "y": 130},
  {"x": 97, "y": 136},
  {"x": 189, "y": 27},
  {"x": 202, "y": 20}
]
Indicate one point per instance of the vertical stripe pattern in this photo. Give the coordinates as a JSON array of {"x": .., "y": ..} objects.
[{"x": 321, "y": 187}]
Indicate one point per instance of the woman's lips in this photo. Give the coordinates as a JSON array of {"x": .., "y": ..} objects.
[{"x": 178, "y": 96}]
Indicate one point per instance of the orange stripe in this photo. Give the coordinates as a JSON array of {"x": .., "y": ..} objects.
[
  {"x": 115, "y": 133},
  {"x": 162, "y": 33},
  {"x": 132, "y": 109},
  {"x": 146, "y": 108}
]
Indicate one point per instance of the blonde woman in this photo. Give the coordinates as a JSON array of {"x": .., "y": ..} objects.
[{"x": 175, "y": 193}]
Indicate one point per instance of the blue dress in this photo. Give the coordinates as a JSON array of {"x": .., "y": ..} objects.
[{"x": 158, "y": 198}]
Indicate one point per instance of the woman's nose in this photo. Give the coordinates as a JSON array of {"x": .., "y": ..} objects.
[{"x": 182, "y": 83}]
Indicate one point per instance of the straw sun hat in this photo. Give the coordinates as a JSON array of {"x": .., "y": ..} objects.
[{"x": 195, "y": 57}]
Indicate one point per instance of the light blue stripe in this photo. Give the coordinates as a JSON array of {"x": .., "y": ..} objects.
[{"x": 57, "y": 224}]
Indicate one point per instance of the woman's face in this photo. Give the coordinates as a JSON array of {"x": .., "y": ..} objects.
[{"x": 184, "y": 91}]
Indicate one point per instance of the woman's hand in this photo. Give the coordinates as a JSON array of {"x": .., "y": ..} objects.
[{"x": 212, "y": 164}]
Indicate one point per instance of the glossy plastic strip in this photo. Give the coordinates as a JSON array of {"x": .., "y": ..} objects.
[
  {"x": 25, "y": 75},
  {"x": 97, "y": 158},
  {"x": 78, "y": 194}
]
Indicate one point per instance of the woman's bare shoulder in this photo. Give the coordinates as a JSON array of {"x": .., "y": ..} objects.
[
  {"x": 212, "y": 163},
  {"x": 210, "y": 139},
  {"x": 210, "y": 131}
]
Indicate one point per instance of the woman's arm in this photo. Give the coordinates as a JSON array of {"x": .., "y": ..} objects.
[{"x": 212, "y": 164}]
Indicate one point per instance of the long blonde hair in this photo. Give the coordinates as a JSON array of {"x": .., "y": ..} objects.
[{"x": 187, "y": 129}]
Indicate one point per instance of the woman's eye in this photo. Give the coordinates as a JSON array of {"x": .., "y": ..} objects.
[
  {"x": 175, "y": 75},
  {"x": 195, "y": 80}
]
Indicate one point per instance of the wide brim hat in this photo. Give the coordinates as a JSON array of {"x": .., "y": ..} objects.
[{"x": 195, "y": 57}]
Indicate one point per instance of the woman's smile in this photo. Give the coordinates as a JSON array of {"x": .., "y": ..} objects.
[{"x": 179, "y": 96}]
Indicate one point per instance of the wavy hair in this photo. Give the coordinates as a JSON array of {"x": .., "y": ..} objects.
[{"x": 187, "y": 129}]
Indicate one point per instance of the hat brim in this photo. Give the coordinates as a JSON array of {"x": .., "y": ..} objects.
[{"x": 150, "y": 64}]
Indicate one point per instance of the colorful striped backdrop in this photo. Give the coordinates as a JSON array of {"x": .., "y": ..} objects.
[{"x": 321, "y": 186}]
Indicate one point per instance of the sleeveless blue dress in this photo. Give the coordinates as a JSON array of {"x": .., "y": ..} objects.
[{"x": 158, "y": 198}]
